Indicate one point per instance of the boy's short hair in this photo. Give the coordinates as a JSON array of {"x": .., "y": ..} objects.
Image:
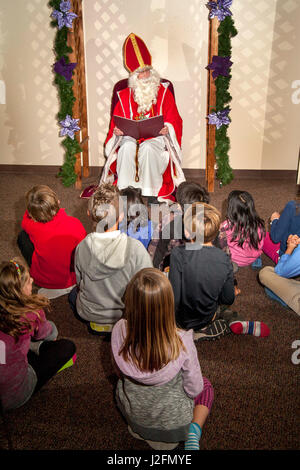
[
  {"x": 104, "y": 204},
  {"x": 42, "y": 203},
  {"x": 204, "y": 224},
  {"x": 189, "y": 192}
]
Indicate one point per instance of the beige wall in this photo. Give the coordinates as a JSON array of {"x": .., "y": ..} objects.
[
  {"x": 281, "y": 140},
  {"x": 28, "y": 124},
  {"x": 264, "y": 132},
  {"x": 265, "y": 85}
]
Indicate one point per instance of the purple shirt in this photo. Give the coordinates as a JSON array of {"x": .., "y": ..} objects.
[
  {"x": 187, "y": 362},
  {"x": 14, "y": 382}
]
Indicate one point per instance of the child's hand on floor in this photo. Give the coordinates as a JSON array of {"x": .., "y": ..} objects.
[{"x": 237, "y": 291}]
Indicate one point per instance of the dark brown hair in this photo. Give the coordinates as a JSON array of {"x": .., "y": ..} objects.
[
  {"x": 189, "y": 192},
  {"x": 134, "y": 197},
  {"x": 244, "y": 220}
]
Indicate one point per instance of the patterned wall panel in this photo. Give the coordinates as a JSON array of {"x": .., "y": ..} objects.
[
  {"x": 282, "y": 120},
  {"x": 176, "y": 34},
  {"x": 264, "y": 67}
]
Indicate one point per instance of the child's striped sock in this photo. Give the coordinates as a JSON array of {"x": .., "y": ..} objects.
[
  {"x": 70, "y": 363},
  {"x": 192, "y": 442},
  {"x": 255, "y": 328}
]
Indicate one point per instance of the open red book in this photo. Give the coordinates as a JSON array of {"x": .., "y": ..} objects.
[{"x": 143, "y": 129}]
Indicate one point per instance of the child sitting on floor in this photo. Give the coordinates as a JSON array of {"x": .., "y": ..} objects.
[
  {"x": 137, "y": 224},
  {"x": 105, "y": 261},
  {"x": 48, "y": 241},
  {"x": 245, "y": 230},
  {"x": 281, "y": 227},
  {"x": 278, "y": 281},
  {"x": 202, "y": 279},
  {"x": 169, "y": 232},
  {"x": 31, "y": 354},
  {"x": 161, "y": 388}
]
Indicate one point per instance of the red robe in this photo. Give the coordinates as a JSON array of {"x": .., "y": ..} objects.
[{"x": 165, "y": 105}]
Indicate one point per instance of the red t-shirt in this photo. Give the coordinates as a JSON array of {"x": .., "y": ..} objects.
[{"x": 54, "y": 248}]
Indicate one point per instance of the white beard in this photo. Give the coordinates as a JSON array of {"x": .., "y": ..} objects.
[{"x": 144, "y": 90}]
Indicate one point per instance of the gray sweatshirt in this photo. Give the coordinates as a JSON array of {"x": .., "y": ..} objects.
[{"x": 104, "y": 264}]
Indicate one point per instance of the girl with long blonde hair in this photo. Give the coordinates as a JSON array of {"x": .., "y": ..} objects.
[
  {"x": 161, "y": 388},
  {"x": 29, "y": 352}
]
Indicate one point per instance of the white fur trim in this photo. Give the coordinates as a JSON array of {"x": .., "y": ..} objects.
[
  {"x": 179, "y": 178},
  {"x": 105, "y": 177},
  {"x": 130, "y": 107},
  {"x": 110, "y": 145},
  {"x": 174, "y": 140},
  {"x": 118, "y": 93},
  {"x": 165, "y": 85}
]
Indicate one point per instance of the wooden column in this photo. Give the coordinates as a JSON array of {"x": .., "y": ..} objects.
[
  {"x": 76, "y": 42},
  {"x": 298, "y": 169},
  {"x": 211, "y": 103}
]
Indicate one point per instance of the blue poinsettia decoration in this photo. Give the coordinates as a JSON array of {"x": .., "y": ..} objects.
[
  {"x": 220, "y": 9},
  {"x": 69, "y": 126},
  {"x": 64, "y": 17},
  {"x": 220, "y": 66},
  {"x": 64, "y": 69},
  {"x": 220, "y": 118}
]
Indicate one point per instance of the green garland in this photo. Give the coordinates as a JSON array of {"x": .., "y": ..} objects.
[
  {"x": 66, "y": 99},
  {"x": 226, "y": 31}
]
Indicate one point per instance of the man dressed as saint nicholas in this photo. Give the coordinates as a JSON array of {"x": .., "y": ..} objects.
[{"x": 154, "y": 164}]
